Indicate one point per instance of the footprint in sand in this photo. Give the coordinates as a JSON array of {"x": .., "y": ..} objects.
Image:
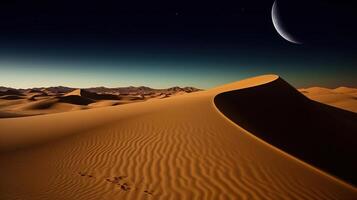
[
  {"x": 85, "y": 174},
  {"x": 149, "y": 192},
  {"x": 125, "y": 187},
  {"x": 117, "y": 180},
  {"x": 82, "y": 173}
]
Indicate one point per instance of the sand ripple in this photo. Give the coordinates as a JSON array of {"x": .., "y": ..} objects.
[{"x": 176, "y": 148}]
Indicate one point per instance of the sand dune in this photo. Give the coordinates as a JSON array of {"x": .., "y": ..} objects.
[
  {"x": 10, "y": 92},
  {"x": 317, "y": 90},
  {"x": 282, "y": 116},
  {"x": 342, "y": 97},
  {"x": 180, "y": 147},
  {"x": 38, "y": 101},
  {"x": 11, "y": 97},
  {"x": 345, "y": 90},
  {"x": 92, "y": 95},
  {"x": 105, "y": 103}
]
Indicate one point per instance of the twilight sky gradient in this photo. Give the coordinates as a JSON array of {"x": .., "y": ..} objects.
[{"x": 104, "y": 43}]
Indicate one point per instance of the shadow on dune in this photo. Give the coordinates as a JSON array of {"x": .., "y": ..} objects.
[
  {"x": 34, "y": 97},
  {"x": 11, "y": 92},
  {"x": 94, "y": 96},
  {"x": 319, "y": 134},
  {"x": 73, "y": 99},
  {"x": 11, "y": 97},
  {"x": 11, "y": 115},
  {"x": 41, "y": 105}
]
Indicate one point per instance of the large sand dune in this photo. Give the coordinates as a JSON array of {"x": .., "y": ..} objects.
[
  {"x": 181, "y": 147},
  {"x": 282, "y": 116}
]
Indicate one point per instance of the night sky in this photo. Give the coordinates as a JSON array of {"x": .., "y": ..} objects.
[{"x": 163, "y": 44}]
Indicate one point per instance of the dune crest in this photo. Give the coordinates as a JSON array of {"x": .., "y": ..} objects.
[{"x": 282, "y": 116}]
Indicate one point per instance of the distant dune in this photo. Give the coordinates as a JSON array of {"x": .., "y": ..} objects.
[
  {"x": 346, "y": 90},
  {"x": 91, "y": 95},
  {"x": 342, "y": 97},
  {"x": 10, "y": 92},
  {"x": 78, "y": 97},
  {"x": 187, "y": 146},
  {"x": 37, "y": 101}
]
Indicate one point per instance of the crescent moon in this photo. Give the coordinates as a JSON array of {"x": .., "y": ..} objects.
[{"x": 279, "y": 27}]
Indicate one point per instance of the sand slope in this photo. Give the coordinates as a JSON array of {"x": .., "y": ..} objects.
[
  {"x": 341, "y": 97},
  {"x": 175, "y": 148},
  {"x": 282, "y": 116}
]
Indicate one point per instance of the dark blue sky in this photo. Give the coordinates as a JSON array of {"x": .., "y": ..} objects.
[{"x": 162, "y": 44}]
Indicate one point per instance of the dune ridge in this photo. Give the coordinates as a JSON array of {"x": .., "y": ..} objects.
[
  {"x": 181, "y": 147},
  {"x": 91, "y": 95},
  {"x": 282, "y": 116}
]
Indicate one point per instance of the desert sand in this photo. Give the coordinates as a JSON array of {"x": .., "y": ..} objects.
[
  {"x": 38, "y": 101},
  {"x": 341, "y": 97},
  {"x": 190, "y": 146}
]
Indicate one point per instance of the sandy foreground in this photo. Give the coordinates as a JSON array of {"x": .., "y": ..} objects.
[{"x": 180, "y": 147}]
